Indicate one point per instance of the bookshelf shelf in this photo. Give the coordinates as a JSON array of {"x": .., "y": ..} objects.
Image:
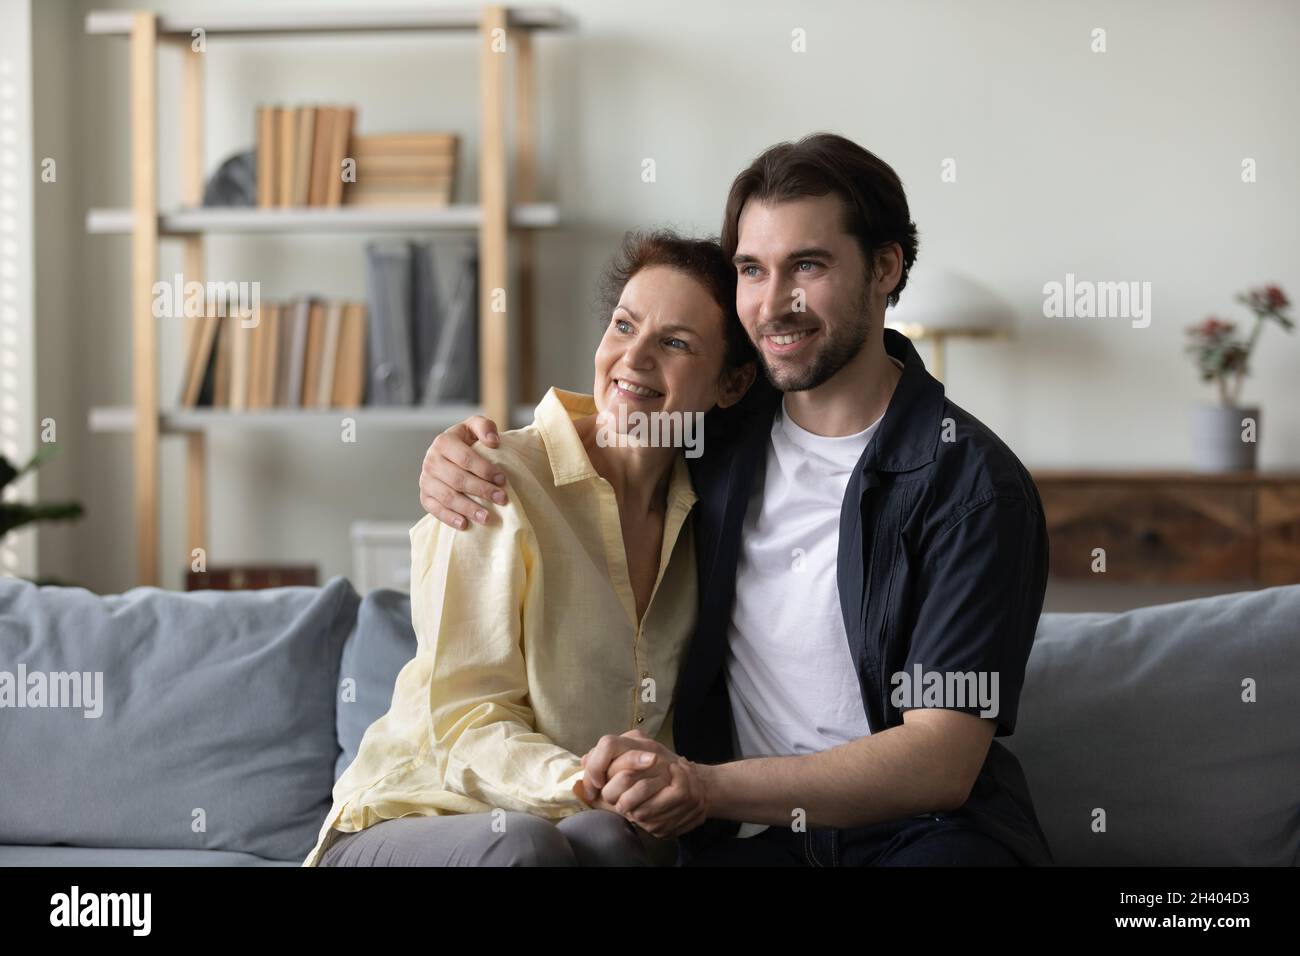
[
  {"x": 260, "y": 23},
  {"x": 342, "y": 219},
  {"x": 504, "y": 220},
  {"x": 179, "y": 421}
]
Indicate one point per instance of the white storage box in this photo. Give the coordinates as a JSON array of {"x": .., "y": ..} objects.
[{"x": 381, "y": 555}]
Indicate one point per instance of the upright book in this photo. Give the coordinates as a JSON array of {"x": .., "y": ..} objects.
[{"x": 268, "y": 130}]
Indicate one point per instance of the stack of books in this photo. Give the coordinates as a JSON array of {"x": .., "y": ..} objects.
[
  {"x": 307, "y": 353},
  {"x": 403, "y": 169},
  {"x": 300, "y": 154}
]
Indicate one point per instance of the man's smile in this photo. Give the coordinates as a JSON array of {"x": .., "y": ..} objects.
[{"x": 787, "y": 343}]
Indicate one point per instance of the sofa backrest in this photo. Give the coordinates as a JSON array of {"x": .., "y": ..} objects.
[
  {"x": 1176, "y": 727},
  {"x": 383, "y": 642},
  {"x": 225, "y": 718},
  {"x": 216, "y": 725}
]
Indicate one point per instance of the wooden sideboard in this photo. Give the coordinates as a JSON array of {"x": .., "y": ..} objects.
[{"x": 1173, "y": 527}]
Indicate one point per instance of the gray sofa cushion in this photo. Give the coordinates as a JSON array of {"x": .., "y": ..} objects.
[
  {"x": 381, "y": 645},
  {"x": 211, "y": 700},
  {"x": 110, "y": 856},
  {"x": 1141, "y": 715}
]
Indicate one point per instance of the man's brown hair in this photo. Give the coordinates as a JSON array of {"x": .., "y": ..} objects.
[{"x": 875, "y": 206}]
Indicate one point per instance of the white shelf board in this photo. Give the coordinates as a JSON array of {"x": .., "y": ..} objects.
[
  {"x": 252, "y": 22},
  {"x": 121, "y": 418},
  {"x": 247, "y": 219}
]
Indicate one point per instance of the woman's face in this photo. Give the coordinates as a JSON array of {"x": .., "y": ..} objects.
[{"x": 664, "y": 349}]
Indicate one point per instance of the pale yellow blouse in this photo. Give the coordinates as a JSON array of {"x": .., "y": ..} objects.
[{"x": 528, "y": 649}]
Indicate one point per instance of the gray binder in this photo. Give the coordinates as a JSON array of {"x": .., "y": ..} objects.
[
  {"x": 426, "y": 312},
  {"x": 452, "y": 376},
  {"x": 391, "y": 377}
]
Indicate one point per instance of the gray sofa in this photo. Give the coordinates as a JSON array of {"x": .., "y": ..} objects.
[{"x": 225, "y": 717}]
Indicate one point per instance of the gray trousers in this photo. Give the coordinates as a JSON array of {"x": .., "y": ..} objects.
[{"x": 587, "y": 838}]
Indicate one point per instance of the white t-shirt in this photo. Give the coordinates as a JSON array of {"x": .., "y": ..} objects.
[{"x": 791, "y": 678}]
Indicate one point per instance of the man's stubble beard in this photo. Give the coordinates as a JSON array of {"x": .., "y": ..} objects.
[{"x": 841, "y": 347}]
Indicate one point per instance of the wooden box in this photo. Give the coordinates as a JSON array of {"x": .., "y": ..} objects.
[{"x": 249, "y": 578}]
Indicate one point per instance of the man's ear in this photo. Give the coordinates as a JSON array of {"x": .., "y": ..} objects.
[
  {"x": 735, "y": 383},
  {"x": 889, "y": 265}
]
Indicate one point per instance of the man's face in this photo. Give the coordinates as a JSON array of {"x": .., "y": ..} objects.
[{"x": 802, "y": 289}]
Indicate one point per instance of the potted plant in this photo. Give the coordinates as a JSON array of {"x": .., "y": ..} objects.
[
  {"x": 16, "y": 514},
  {"x": 1225, "y": 435}
]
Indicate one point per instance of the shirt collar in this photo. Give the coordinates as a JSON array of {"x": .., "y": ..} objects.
[
  {"x": 909, "y": 434},
  {"x": 554, "y": 418}
]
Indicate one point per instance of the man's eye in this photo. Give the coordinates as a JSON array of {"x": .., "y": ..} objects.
[
  {"x": 806, "y": 262},
  {"x": 749, "y": 271},
  {"x": 622, "y": 325},
  {"x": 677, "y": 343}
]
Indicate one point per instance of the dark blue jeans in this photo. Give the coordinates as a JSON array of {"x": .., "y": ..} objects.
[{"x": 930, "y": 839}]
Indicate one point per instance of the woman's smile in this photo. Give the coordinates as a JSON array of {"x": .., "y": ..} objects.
[{"x": 636, "y": 392}]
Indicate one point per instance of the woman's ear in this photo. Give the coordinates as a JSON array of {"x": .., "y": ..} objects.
[{"x": 735, "y": 383}]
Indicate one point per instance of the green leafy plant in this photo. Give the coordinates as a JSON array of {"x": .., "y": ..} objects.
[
  {"x": 1222, "y": 356},
  {"x": 16, "y": 514}
]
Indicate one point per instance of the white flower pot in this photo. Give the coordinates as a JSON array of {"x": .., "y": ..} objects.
[{"x": 1224, "y": 439}]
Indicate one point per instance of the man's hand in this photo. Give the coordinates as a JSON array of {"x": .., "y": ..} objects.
[
  {"x": 451, "y": 471},
  {"x": 639, "y": 778},
  {"x": 677, "y": 808}
]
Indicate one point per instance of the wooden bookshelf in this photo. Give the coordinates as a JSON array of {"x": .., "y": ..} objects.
[
  {"x": 180, "y": 421},
  {"x": 501, "y": 212},
  {"x": 460, "y": 217},
  {"x": 307, "y": 22}
]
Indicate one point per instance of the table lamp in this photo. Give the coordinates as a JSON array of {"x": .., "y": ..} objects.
[{"x": 943, "y": 304}]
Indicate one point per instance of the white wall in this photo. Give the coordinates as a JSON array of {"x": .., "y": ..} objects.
[
  {"x": 18, "y": 554},
  {"x": 1116, "y": 166}
]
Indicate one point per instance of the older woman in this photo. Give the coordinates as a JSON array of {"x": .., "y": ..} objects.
[{"x": 568, "y": 618}]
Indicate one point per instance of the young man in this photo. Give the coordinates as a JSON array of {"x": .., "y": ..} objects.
[{"x": 872, "y": 564}]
